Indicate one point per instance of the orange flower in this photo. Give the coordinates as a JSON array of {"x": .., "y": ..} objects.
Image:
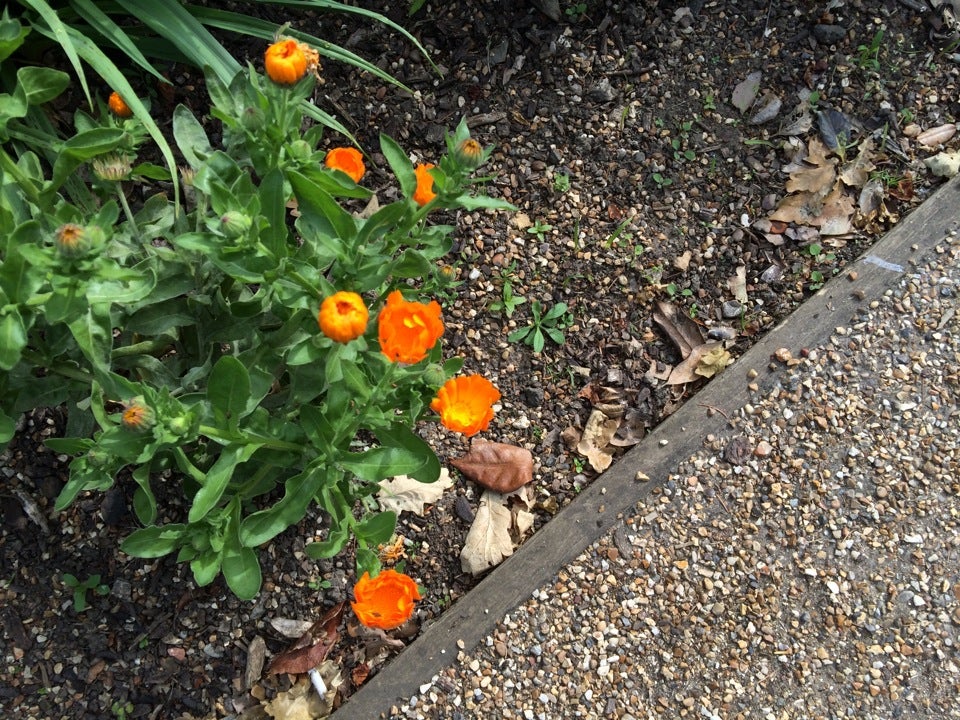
[
  {"x": 386, "y": 601},
  {"x": 408, "y": 330},
  {"x": 118, "y": 106},
  {"x": 424, "y": 192},
  {"x": 72, "y": 240},
  {"x": 343, "y": 316},
  {"x": 465, "y": 404},
  {"x": 137, "y": 415},
  {"x": 285, "y": 62},
  {"x": 347, "y": 160}
]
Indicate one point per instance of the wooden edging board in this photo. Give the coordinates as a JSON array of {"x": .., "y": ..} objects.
[{"x": 597, "y": 509}]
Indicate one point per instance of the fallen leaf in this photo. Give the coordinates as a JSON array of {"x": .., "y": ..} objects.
[
  {"x": 835, "y": 128},
  {"x": 713, "y": 362},
  {"x": 682, "y": 331},
  {"x": 688, "y": 370},
  {"x": 522, "y": 221},
  {"x": 289, "y": 627},
  {"x": 834, "y": 218},
  {"x": 488, "y": 542},
  {"x": 683, "y": 262},
  {"x": 798, "y": 122},
  {"x": 937, "y": 136},
  {"x": 300, "y": 702},
  {"x": 256, "y": 656},
  {"x": 523, "y": 521},
  {"x": 800, "y": 208},
  {"x": 944, "y": 164},
  {"x": 312, "y": 647},
  {"x": 632, "y": 429},
  {"x": 769, "y": 108},
  {"x": 596, "y": 436},
  {"x": 496, "y": 466},
  {"x": 856, "y": 172},
  {"x": 746, "y": 91},
  {"x": 738, "y": 284},
  {"x": 405, "y": 493},
  {"x": 359, "y": 674}
]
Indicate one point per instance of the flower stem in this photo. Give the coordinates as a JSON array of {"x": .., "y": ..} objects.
[
  {"x": 126, "y": 210},
  {"x": 248, "y": 438}
]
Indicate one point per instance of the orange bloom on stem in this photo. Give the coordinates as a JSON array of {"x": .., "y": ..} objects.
[
  {"x": 408, "y": 330},
  {"x": 343, "y": 316},
  {"x": 118, "y": 106},
  {"x": 386, "y": 601},
  {"x": 424, "y": 192},
  {"x": 347, "y": 160},
  {"x": 465, "y": 404},
  {"x": 285, "y": 62},
  {"x": 137, "y": 415}
]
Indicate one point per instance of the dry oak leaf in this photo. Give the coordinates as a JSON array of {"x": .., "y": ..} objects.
[
  {"x": 817, "y": 173},
  {"x": 706, "y": 360},
  {"x": 834, "y": 218},
  {"x": 488, "y": 541},
  {"x": 682, "y": 330},
  {"x": 496, "y": 466},
  {"x": 405, "y": 493},
  {"x": 856, "y": 172}
]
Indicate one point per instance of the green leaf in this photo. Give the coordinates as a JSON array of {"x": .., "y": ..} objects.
[
  {"x": 41, "y": 84},
  {"x": 69, "y": 446},
  {"x": 206, "y": 567},
  {"x": 538, "y": 341},
  {"x": 313, "y": 198},
  {"x": 93, "y": 332},
  {"x": 273, "y": 206},
  {"x": 217, "y": 479},
  {"x": 13, "y": 338},
  {"x": 12, "y": 35},
  {"x": 114, "y": 34},
  {"x": 298, "y": 493},
  {"x": 335, "y": 542},
  {"x": 242, "y": 571},
  {"x": 144, "y": 502},
  {"x": 191, "y": 137},
  {"x": 555, "y": 312},
  {"x": 130, "y": 291},
  {"x": 228, "y": 389},
  {"x": 61, "y": 33},
  {"x": 400, "y": 165},
  {"x": 380, "y": 463},
  {"x": 8, "y": 427},
  {"x": 377, "y": 529},
  {"x": 555, "y": 335},
  {"x": 477, "y": 202},
  {"x": 402, "y": 436},
  {"x": 154, "y": 541}
]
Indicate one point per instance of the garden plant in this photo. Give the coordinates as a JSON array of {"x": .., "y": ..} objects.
[{"x": 266, "y": 344}]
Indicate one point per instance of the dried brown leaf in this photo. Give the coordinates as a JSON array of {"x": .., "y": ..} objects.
[
  {"x": 312, "y": 647},
  {"x": 405, "y": 493},
  {"x": 686, "y": 372},
  {"x": 713, "y": 362},
  {"x": 682, "y": 331},
  {"x": 597, "y": 434},
  {"x": 738, "y": 284},
  {"x": 937, "y": 135},
  {"x": 835, "y": 217},
  {"x": 496, "y": 466},
  {"x": 800, "y": 208},
  {"x": 856, "y": 172}
]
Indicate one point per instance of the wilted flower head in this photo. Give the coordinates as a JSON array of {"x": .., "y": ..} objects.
[
  {"x": 285, "y": 62},
  {"x": 118, "y": 106},
  {"x": 424, "y": 192},
  {"x": 343, "y": 316},
  {"x": 386, "y": 601},
  {"x": 465, "y": 404},
  {"x": 408, "y": 330},
  {"x": 347, "y": 160}
]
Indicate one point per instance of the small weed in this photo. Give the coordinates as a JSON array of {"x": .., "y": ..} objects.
[
  {"x": 813, "y": 99},
  {"x": 578, "y": 466},
  {"x": 661, "y": 180},
  {"x": 888, "y": 178},
  {"x": 319, "y": 585},
  {"x": 576, "y": 11},
  {"x": 543, "y": 325},
  {"x": 868, "y": 55},
  {"x": 509, "y": 301},
  {"x": 615, "y": 235},
  {"x": 80, "y": 589},
  {"x": 906, "y": 116},
  {"x": 561, "y": 182},
  {"x": 540, "y": 229},
  {"x": 121, "y": 711},
  {"x": 709, "y": 104}
]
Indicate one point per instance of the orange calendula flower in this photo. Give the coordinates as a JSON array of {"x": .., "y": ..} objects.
[
  {"x": 343, "y": 316},
  {"x": 465, "y": 404},
  {"x": 285, "y": 62},
  {"x": 72, "y": 240},
  {"x": 137, "y": 415},
  {"x": 118, "y": 106},
  {"x": 347, "y": 160},
  {"x": 386, "y": 601},
  {"x": 424, "y": 192},
  {"x": 408, "y": 330}
]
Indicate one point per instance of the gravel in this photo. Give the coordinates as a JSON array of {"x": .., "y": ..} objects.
[{"x": 803, "y": 564}]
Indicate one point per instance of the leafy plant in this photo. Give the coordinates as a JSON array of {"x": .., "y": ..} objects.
[
  {"x": 121, "y": 711},
  {"x": 868, "y": 55},
  {"x": 540, "y": 229},
  {"x": 80, "y": 590},
  {"x": 561, "y": 182},
  {"x": 576, "y": 10},
  {"x": 509, "y": 302},
  {"x": 661, "y": 180},
  {"x": 185, "y": 345},
  {"x": 542, "y": 326}
]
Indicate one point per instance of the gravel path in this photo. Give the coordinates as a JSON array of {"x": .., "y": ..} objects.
[{"x": 804, "y": 564}]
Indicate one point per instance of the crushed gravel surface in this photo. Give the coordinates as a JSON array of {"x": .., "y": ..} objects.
[{"x": 804, "y": 564}]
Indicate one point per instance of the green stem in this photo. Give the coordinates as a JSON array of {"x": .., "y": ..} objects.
[
  {"x": 147, "y": 347},
  {"x": 26, "y": 184},
  {"x": 305, "y": 284},
  {"x": 126, "y": 210},
  {"x": 183, "y": 462}
]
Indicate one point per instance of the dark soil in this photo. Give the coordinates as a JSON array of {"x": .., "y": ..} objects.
[{"x": 617, "y": 139}]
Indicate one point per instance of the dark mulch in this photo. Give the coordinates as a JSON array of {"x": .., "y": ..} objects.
[{"x": 631, "y": 103}]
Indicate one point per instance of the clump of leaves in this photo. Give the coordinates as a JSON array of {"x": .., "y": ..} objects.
[
  {"x": 543, "y": 325},
  {"x": 80, "y": 589}
]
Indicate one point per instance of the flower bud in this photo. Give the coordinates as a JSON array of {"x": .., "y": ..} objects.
[
  {"x": 137, "y": 415},
  {"x": 253, "y": 119},
  {"x": 300, "y": 150},
  {"x": 234, "y": 224},
  {"x": 180, "y": 425},
  {"x": 468, "y": 154},
  {"x": 72, "y": 240},
  {"x": 112, "y": 167},
  {"x": 433, "y": 375}
]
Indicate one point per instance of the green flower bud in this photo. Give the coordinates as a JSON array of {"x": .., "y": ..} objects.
[
  {"x": 180, "y": 425},
  {"x": 234, "y": 224},
  {"x": 253, "y": 119},
  {"x": 300, "y": 150},
  {"x": 72, "y": 240},
  {"x": 434, "y": 375},
  {"x": 468, "y": 154}
]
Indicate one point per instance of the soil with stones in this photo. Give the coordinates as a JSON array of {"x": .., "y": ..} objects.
[{"x": 658, "y": 155}]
